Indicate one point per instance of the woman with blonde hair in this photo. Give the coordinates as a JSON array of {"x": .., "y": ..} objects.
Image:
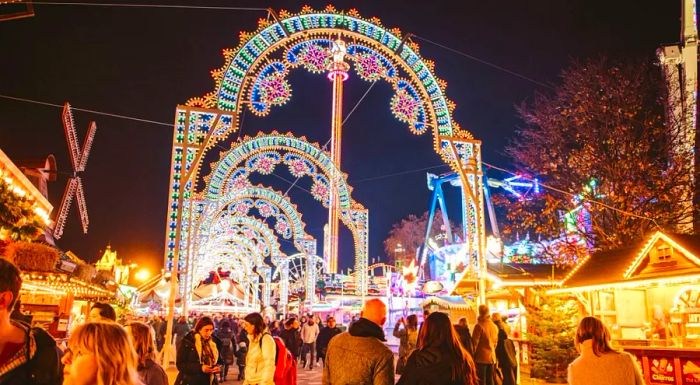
[
  {"x": 143, "y": 341},
  {"x": 100, "y": 353},
  {"x": 599, "y": 363},
  {"x": 260, "y": 359}
]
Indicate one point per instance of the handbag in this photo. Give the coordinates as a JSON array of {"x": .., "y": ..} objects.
[{"x": 497, "y": 375}]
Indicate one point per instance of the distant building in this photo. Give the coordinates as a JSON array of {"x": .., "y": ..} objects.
[{"x": 111, "y": 263}]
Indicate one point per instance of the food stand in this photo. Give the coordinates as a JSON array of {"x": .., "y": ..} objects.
[
  {"x": 46, "y": 295},
  {"x": 648, "y": 295}
]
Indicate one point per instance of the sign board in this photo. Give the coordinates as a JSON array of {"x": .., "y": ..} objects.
[
  {"x": 690, "y": 370},
  {"x": 662, "y": 371}
]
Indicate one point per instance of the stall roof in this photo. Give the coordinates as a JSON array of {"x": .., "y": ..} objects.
[
  {"x": 525, "y": 271},
  {"x": 448, "y": 302},
  {"x": 641, "y": 262}
]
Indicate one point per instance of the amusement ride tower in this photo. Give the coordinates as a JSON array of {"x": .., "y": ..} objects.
[{"x": 338, "y": 73}]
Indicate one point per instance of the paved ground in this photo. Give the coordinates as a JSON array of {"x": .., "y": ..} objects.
[
  {"x": 304, "y": 377},
  {"x": 313, "y": 377}
]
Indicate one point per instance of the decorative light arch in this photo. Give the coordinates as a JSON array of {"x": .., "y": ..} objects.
[
  {"x": 255, "y": 74},
  {"x": 251, "y": 228},
  {"x": 248, "y": 254},
  {"x": 269, "y": 204},
  {"x": 255, "y": 71},
  {"x": 264, "y": 152}
]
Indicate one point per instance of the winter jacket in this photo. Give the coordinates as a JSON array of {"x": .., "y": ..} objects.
[
  {"x": 430, "y": 366},
  {"x": 408, "y": 340},
  {"x": 507, "y": 361},
  {"x": 189, "y": 362},
  {"x": 324, "y": 337},
  {"x": 260, "y": 361},
  {"x": 309, "y": 333},
  {"x": 465, "y": 338},
  {"x": 359, "y": 356},
  {"x": 180, "y": 329},
  {"x": 228, "y": 342},
  {"x": 292, "y": 340},
  {"x": 36, "y": 363},
  {"x": 152, "y": 374},
  {"x": 608, "y": 368},
  {"x": 484, "y": 340}
]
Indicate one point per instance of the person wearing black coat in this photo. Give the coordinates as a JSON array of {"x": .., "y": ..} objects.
[
  {"x": 227, "y": 346},
  {"x": 505, "y": 354},
  {"x": 440, "y": 358},
  {"x": 465, "y": 336},
  {"x": 291, "y": 336},
  {"x": 324, "y": 337},
  {"x": 198, "y": 357}
]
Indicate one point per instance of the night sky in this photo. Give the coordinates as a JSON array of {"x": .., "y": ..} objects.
[{"x": 143, "y": 62}]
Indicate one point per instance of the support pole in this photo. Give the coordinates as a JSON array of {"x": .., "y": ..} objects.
[{"x": 338, "y": 74}]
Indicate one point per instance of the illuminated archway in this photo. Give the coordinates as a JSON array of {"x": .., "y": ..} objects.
[{"x": 254, "y": 74}]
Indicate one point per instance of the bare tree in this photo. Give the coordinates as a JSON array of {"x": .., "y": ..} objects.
[{"x": 605, "y": 122}]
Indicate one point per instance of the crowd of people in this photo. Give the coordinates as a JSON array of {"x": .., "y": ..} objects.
[{"x": 107, "y": 351}]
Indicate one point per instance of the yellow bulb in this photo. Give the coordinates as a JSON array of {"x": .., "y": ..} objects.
[{"x": 142, "y": 275}]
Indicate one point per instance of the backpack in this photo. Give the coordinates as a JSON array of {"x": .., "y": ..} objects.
[{"x": 285, "y": 363}]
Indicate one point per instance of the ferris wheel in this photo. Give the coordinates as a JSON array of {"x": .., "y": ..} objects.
[{"x": 297, "y": 269}]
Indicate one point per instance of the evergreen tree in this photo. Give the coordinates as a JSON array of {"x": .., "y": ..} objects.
[{"x": 552, "y": 329}]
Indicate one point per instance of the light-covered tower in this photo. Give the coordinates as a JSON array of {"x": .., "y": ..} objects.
[
  {"x": 680, "y": 67},
  {"x": 338, "y": 73}
]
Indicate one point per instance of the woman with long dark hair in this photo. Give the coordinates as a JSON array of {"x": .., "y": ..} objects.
[
  {"x": 440, "y": 358},
  {"x": 260, "y": 359},
  {"x": 198, "y": 357},
  {"x": 599, "y": 363}
]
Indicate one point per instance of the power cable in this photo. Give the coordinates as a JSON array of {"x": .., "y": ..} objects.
[
  {"x": 132, "y": 5},
  {"x": 607, "y": 206},
  {"x": 484, "y": 62},
  {"x": 86, "y": 110},
  {"x": 325, "y": 146},
  {"x": 398, "y": 173}
]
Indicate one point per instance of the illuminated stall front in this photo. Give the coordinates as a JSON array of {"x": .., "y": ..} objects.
[
  {"x": 649, "y": 297},
  {"x": 47, "y": 295}
]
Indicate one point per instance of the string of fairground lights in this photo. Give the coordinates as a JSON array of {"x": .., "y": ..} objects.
[{"x": 377, "y": 177}]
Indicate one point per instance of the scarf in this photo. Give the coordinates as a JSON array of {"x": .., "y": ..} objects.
[{"x": 207, "y": 352}]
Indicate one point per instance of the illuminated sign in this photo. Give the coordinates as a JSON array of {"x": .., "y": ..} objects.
[
  {"x": 662, "y": 370},
  {"x": 691, "y": 371}
]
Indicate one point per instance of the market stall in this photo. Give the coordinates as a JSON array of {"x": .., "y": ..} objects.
[
  {"x": 49, "y": 295},
  {"x": 649, "y": 297}
]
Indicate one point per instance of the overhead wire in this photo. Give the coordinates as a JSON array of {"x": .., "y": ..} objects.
[
  {"x": 572, "y": 195},
  {"x": 135, "y": 5},
  {"x": 86, "y": 110},
  {"x": 484, "y": 62},
  {"x": 325, "y": 146},
  {"x": 294, "y": 183}
]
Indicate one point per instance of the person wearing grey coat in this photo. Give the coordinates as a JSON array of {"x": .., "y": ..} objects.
[{"x": 359, "y": 356}]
